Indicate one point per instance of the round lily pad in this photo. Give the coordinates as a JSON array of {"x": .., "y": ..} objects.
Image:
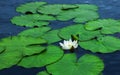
[
  {"x": 32, "y": 20},
  {"x": 8, "y": 59},
  {"x": 69, "y": 65},
  {"x": 78, "y": 29},
  {"x": 51, "y": 36},
  {"x": 30, "y": 7},
  {"x": 35, "y": 32},
  {"x": 106, "y": 44},
  {"x": 51, "y": 55},
  {"x": 106, "y": 26},
  {"x": 25, "y": 45}
]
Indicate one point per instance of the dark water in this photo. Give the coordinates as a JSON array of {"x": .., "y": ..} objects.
[{"x": 107, "y": 9}]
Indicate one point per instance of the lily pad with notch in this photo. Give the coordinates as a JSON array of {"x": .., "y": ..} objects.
[
  {"x": 85, "y": 65},
  {"x": 25, "y": 45},
  {"x": 30, "y": 8},
  {"x": 51, "y": 36},
  {"x": 106, "y": 26},
  {"x": 32, "y": 20},
  {"x": 105, "y": 44},
  {"x": 51, "y": 55},
  {"x": 79, "y": 30},
  {"x": 35, "y": 32},
  {"x": 8, "y": 59}
]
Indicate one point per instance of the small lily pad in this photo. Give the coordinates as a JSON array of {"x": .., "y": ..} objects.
[
  {"x": 43, "y": 73},
  {"x": 30, "y": 7},
  {"x": 35, "y": 32},
  {"x": 8, "y": 59},
  {"x": 51, "y": 36},
  {"x": 77, "y": 29},
  {"x": 25, "y": 45},
  {"x": 106, "y": 44},
  {"x": 69, "y": 65},
  {"x": 106, "y": 26},
  {"x": 79, "y": 16},
  {"x": 32, "y": 20},
  {"x": 51, "y": 55}
]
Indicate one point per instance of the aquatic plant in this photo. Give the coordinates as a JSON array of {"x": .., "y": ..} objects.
[{"x": 35, "y": 47}]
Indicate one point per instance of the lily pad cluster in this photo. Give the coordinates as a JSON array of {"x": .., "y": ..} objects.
[
  {"x": 20, "y": 50},
  {"x": 35, "y": 47},
  {"x": 40, "y": 13}
]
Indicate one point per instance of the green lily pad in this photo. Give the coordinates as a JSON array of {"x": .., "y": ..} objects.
[
  {"x": 25, "y": 45},
  {"x": 79, "y": 16},
  {"x": 101, "y": 74},
  {"x": 43, "y": 73},
  {"x": 30, "y": 7},
  {"x": 107, "y": 26},
  {"x": 51, "y": 55},
  {"x": 77, "y": 29},
  {"x": 32, "y": 20},
  {"x": 66, "y": 7},
  {"x": 58, "y": 8},
  {"x": 106, "y": 44},
  {"x": 51, "y": 36},
  {"x": 69, "y": 65},
  {"x": 8, "y": 59},
  {"x": 87, "y": 7},
  {"x": 35, "y": 32},
  {"x": 2, "y": 49}
]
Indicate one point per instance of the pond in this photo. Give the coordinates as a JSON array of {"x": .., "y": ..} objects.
[{"x": 108, "y": 10}]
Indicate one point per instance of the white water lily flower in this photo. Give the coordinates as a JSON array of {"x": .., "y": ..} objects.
[{"x": 67, "y": 45}]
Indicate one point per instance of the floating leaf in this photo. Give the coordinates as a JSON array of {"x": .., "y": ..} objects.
[
  {"x": 69, "y": 65},
  {"x": 35, "y": 32},
  {"x": 25, "y": 45},
  {"x": 77, "y": 29},
  {"x": 58, "y": 8},
  {"x": 2, "y": 49},
  {"x": 51, "y": 36},
  {"x": 100, "y": 74},
  {"x": 107, "y": 26},
  {"x": 79, "y": 16},
  {"x": 43, "y": 73},
  {"x": 106, "y": 44},
  {"x": 51, "y": 55},
  {"x": 9, "y": 59},
  {"x": 32, "y": 20},
  {"x": 30, "y": 7},
  {"x": 66, "y": 7},
  {"x": 87, "y": 7}
]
